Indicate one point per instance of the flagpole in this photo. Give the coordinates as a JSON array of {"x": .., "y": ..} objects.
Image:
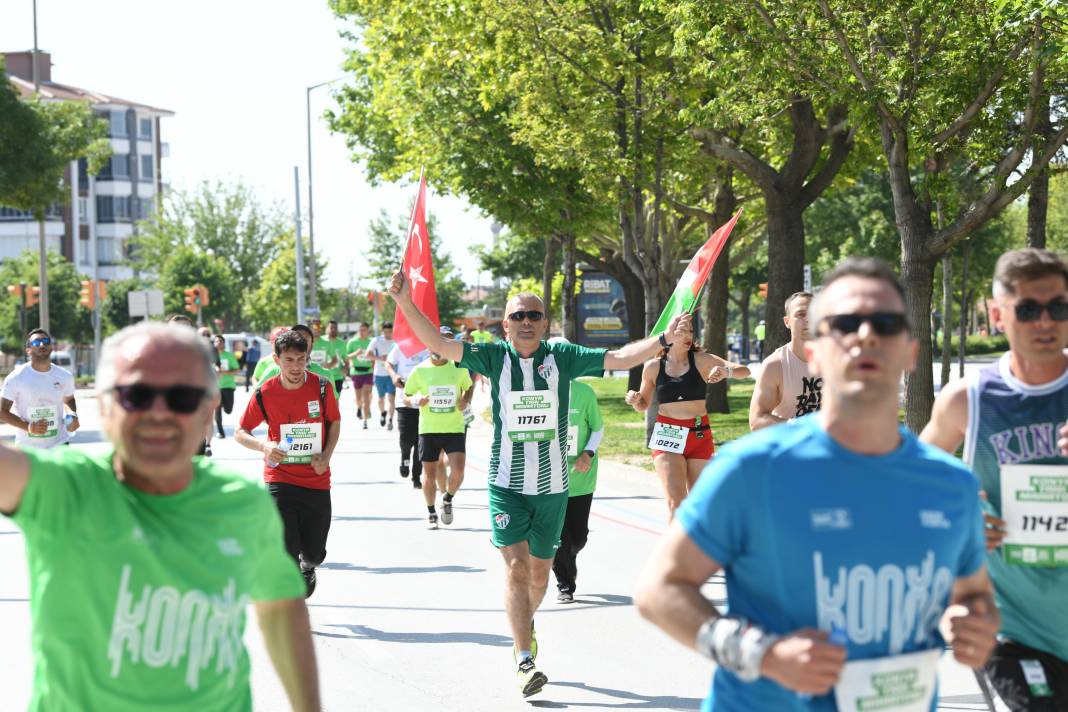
[{"x": 411, "y": 217}]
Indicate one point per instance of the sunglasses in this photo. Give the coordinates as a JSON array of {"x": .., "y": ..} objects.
[
  {"x": 1030, "y": 310},
  {"x": 43, "y": 341},
  {"x": 533, "y": 315},
  {"x": 882, "y": 323},
  {"x": 138, "y": 397}
]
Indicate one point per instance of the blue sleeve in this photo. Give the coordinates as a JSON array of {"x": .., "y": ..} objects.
[
  {"x": 973, "y": 556},
  {"x": 714, "y": 514}
]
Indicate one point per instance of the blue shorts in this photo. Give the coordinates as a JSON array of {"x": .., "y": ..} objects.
[{"x": 384, "y": 385}]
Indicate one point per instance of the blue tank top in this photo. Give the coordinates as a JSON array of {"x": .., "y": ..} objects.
[{"x": 1010, "y": 422}]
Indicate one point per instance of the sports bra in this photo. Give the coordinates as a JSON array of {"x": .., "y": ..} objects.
[{"x": 687, "y": 387}]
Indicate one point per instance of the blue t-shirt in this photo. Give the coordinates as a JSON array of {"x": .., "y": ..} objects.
[{"x": 812, "y": 535}]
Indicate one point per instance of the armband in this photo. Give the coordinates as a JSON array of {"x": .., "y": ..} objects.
[
  {"x": 664, "y": 341},
  {"x": 735, "y": 644}
]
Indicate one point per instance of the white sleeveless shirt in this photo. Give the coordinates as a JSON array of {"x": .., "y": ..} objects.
[{"x": 801, "y": 393}]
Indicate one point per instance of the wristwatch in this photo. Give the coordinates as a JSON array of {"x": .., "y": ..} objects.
[{"x": 664, "y": 341}]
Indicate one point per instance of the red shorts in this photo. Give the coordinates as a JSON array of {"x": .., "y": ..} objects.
[{"x": 699, "y": 445}]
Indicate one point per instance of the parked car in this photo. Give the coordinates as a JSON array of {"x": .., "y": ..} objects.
[{"x": 64, "y": 359}]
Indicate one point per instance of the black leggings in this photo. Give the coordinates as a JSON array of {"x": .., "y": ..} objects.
[
  {"x": 408, "y": 426},
  {"x": 226, "y": 402},
  {"x": 572, "y": 540},
  {"x": 305, "y": 521}
]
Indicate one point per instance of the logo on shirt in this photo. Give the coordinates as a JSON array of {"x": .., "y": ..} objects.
[
  {"x": 1025, "y": 442},
  {"x": 546, "y": 371},
  {"x": 164, "y": 628},
  {"x": 933, "y": 519},
  {"x": 57, "y": 385},
  {"x": 811, "y": 396},
  {"x": 831, "y": 519},
  {"x": 502, "y": 520},
  {"x": 313, "y": 409},
  {"x": 230, "y": 547}
]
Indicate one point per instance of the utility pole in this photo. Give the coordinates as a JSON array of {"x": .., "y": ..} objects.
[
  {"x": 42, "y": 246},
  {"x": 314, "y": 295},
  {"x": 300, "y": 248}
]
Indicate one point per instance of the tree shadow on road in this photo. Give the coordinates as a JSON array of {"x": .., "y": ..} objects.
[
  {"x": 363, "y": 632},
  {"x": 634, "y": 700},
  {"x": 450, "y": 569}
]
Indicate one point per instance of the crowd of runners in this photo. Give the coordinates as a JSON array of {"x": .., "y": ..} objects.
[{"x": 853, "y": 550}]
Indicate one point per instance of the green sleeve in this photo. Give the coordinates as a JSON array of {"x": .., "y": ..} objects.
[
  {"x": 277, "y": 576},
  {"x": 580, "y": 360},
  {"x": 482, "y": 358},
  {"x": 414, "y": 382},
  {"x": 262, "y": 367},
  {"x": 57, "y": 491}
]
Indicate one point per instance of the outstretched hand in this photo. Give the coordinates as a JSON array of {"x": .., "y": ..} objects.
[{"x": 679, "y": 326}]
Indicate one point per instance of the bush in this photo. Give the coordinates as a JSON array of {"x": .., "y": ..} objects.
[{"x": 975, "y": 345}]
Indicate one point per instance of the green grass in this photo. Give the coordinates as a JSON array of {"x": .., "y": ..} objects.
[{"x": 624, "y": 437}]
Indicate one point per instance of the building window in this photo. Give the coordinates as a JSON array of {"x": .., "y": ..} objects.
[
  {"x": 148, "y": 168},
  {"x": 144, "y": 129},
  {"x": 112, "y": 208},
  {"x": 118, "y": 124},
  {"x": 54, "y": 212},
  {"x": 83, "y": 211},
  {"x": 117, "y": 168}
]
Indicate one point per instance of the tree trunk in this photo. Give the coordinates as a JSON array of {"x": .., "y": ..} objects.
[
  {"x": 743, "y": 307},
  {"x": 917, "y": 275},
  {"x": 717, "y": 292},
  {"x": 947, "y": 314},
  {"x": 963, "y": 308},
  {"x": 570, "y": 326},
  {"x": 786, "y": 264},
  {"x": 548, "y": 271},
  {"x": 1038, "y": 193}
]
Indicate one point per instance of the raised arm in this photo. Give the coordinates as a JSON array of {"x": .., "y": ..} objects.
[
  {"x": 424, "y": 329},
  {"x": 715, "y": 368},
  {"x": 949, "y": 417},
  {"x": 766, "y": 395},
  {"x": 636, "y": 352}
]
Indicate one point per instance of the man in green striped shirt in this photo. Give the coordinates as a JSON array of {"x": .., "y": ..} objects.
[{"x": 530, "y": 385}]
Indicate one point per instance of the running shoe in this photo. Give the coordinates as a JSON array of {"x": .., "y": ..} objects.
[
  {"x": 207, "y": 449},
  {"x": 417, "y": 483},
  {"x": 404, "y": 470},
  {"x": 309, "y": 581},
  {"x": 565, "y": 597},
  {"x": 359, "y": 413},
  {"x": 390, "y": 426},
  {"x": 446, "y": 513},
  {"x": 531, "y": 680},
  {"x": 431, "y": 520},
  {"x": 365, "y": 425},
  {"x": 382, "y": 420}
]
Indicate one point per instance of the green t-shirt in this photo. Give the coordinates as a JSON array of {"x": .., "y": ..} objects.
[
  {"x": 526, "y": 457},
  {"x": 584, "y": 416},
  {"x": 326, "y": 349},
  {"x": 262, "y": 367},
  {"x": 138, "y": 601},
  {"x": 273, "y": 370},
  {"x": 479, "y": 336},
  {"x": 444, "y": 384},
  {"x": 228, "y": 362},
  {"x": 360, "y": 367}
]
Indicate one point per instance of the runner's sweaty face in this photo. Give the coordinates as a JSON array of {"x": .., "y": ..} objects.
[
  {"x": 525, "y": 335},
  {"x": 157, "y": 442},
  {"x": 292, "y": 363},
  {"x": 1042, "y": 339}
]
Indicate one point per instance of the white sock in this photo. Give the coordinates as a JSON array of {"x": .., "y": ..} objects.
[{"x": 523, "y": 655}]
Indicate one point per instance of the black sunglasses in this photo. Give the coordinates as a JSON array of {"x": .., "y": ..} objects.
[
  {"x": 43, "y": 341},
  {"x": 140, "y": 397},
  {"x": 1030, "y": 310},
  {"x": 532, "y": 314},
  {"x": 882, "y": 323}
]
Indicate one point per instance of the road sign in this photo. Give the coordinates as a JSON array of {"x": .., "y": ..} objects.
[
  {"x": 145, "y": 302},
  {"x": 311, "y": 311}
]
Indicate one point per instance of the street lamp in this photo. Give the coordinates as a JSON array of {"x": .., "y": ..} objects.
[
  {"x": 42, "y": 246},
  {"x": 313, "y": 296}
]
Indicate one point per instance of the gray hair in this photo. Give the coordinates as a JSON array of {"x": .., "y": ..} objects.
[{"x": 177, "y": 334}]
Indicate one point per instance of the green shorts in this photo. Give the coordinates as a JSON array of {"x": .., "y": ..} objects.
[{"x": 536, "y": 519}]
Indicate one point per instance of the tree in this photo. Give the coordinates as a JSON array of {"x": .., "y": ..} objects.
[
  {"x": 115, "y": 311},
  {"x": 220, "y": 220},
  {"x": 69, "y": 320},
  {"x": 38, "y": 140},
  {"x": 187, "y": 268}
]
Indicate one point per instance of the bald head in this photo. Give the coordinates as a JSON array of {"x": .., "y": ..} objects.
[{"x": 165, "y": 351}]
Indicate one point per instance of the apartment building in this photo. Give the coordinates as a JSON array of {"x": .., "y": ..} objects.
[{"x": 107, "y": 208}]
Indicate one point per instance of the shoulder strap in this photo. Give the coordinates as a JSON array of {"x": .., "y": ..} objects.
[{"x": 259, "y": 402}]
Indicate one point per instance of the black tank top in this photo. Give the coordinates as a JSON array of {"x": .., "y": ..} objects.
[{"x": 687, "y": 387}]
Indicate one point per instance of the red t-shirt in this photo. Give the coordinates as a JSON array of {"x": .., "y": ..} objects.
[{"x": 297, "y": 413}]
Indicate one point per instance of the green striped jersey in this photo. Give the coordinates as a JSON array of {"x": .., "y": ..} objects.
[{"x": 534, "y": 466}]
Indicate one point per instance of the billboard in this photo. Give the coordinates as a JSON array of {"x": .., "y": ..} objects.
[{"x": 601, "y": 311}]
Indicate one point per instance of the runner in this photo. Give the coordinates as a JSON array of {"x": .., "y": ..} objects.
[
  {"x": 398, "y": 366},
  {"x": 252, "y": 359},
  {"x": 842, "y": 538},
  {"x": 142, "y": 560},
  {"x": 682, "y": 441},
  {"x": 527, "y": 473},
  {"x": 274, "y": 369},
  {"x": 180, "y": 320},
  {"x": 228, "y": 368},
  {"x": 329, "y": 352},
  {"x": 267, "y": 362},
  {"x": 379, "y": 349},
  {"x": 992, "y": 414},
  {"x": 585, "y": 429},
  {"x": 480, "y": 335},
  {"x": 303, "y": 426},
  {"x": 38, "y": 391},
  {"x": 205, "y": 333},
  {"x": 362, "y": 377},
  {"x": 785, "y": 389},
  {"x": 442, "y": 391}
]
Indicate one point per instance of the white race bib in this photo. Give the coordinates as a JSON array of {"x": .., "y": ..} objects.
[
  {"x": 45, "y": 412},
  {"x": 307, "y": 441},
  {"x": 1034, "y": 505},
  {"x": 669, "y": 438},
  {"x": 318, "y": 357},
  {"x": 442, "y": 399},
  {"x": 572, "y": 441},
  {"x": 531, "y": 416},
  {"x": 902, "y": 683}
]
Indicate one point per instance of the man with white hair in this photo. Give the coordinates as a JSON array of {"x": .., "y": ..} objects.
[{"x": 166, "y": 550}]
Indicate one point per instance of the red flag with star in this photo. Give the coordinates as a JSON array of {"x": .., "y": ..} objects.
[{"x": 419, "y": 272}]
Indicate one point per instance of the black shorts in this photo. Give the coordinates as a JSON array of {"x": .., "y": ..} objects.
[
  {"x": 431, "y": 445},
  {"x": 1007, "y": 674}
]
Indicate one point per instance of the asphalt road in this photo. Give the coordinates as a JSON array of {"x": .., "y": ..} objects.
[{"x": 410, "y": 619}]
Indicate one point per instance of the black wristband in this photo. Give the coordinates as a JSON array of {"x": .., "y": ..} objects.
[
  {"x": 591, "y": 453},
  {"x": 664, "y": 341}
]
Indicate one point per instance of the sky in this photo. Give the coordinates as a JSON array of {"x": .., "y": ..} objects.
[{"x": 234, "y": 72}]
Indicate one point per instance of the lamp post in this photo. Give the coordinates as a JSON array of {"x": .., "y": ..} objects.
[
  {"x": 42, "y": 246},
  {"x": 313, "y": 285}
]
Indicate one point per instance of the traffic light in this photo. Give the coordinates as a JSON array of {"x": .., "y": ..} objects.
[
  {"x": 192, "y": 300},
  {"x": 101, "y": 291},
  {"x": 764, "y": 290},
  {"x": 33, "y": 295},
  {"x": 15, "y": 290},
  {"x": 370, "y": 297},
  {"x": 87, "y": 297}
]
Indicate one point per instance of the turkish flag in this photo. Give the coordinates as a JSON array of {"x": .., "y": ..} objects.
[{"x": 419, "y": 272}]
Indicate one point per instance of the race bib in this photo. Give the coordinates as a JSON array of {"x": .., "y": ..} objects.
[
  {"x": 531, "y": 416},
  {"x": 1034, "y": 505},
  {"x": 902, "y": 683},
  {"x": 307, "y": 441},
  {"x": 45, "y": 412},
  {"x": 442, "y": 399},
  {"x": 669, "y": 438},
  {"x": 318, "y": 357},
  {"x": 469, "y": 416},
  {"x": 572, "y": 441}
]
